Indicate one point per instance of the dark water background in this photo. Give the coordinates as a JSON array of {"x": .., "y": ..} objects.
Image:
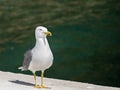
[{"x": 85, "y": 41}]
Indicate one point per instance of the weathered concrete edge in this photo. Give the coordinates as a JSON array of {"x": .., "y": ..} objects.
[{"x": 56, "y": 84}]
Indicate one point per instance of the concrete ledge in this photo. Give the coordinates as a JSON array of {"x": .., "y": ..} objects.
[{"x": 13, "y": 81}]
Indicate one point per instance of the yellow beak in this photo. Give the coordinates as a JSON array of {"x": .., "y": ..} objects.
[{"x": 48, "y": 33}]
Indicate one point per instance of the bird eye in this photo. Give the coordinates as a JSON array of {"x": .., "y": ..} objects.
[{"x": 40, "y": 29}]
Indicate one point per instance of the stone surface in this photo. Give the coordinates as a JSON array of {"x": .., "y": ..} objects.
[{"x": 13, "y": 81}]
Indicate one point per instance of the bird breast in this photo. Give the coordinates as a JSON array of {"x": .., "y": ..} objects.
[{"x": 41, "y": 59}]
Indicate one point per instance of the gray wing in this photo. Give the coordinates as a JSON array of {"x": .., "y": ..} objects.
[{"x": 27, "y": 60}]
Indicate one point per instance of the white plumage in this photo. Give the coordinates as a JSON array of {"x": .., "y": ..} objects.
[{"x": 42, "y": 57}]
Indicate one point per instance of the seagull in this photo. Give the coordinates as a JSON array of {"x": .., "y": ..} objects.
[{"x": 40, "y": 57}]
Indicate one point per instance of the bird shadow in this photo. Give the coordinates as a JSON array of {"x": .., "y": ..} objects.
[
  {"x": 21, "y": 82},
  {"x": 24, "y": 83}
]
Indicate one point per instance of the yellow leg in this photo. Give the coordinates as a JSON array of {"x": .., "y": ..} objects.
[
  {"x": 36, "y": 86},
  {"x": 42, "y": 82}
]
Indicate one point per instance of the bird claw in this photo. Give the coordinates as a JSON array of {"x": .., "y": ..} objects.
[
  {"x": 37, "y": 86},
  {"x": 41, "y": 86}
]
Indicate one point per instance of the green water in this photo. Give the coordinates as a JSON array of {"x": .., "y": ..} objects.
[
  {"x": 85, "y": 41},
  {"x": 81, "y": 54}
]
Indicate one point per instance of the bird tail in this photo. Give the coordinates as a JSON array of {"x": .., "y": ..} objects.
[{"x": 21, "y": 68}]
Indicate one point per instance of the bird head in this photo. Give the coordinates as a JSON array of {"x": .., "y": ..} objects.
[{"x": 42, "y": 32}]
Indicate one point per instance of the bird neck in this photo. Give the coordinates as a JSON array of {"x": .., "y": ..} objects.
[{"x": 41, "y": 42}]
